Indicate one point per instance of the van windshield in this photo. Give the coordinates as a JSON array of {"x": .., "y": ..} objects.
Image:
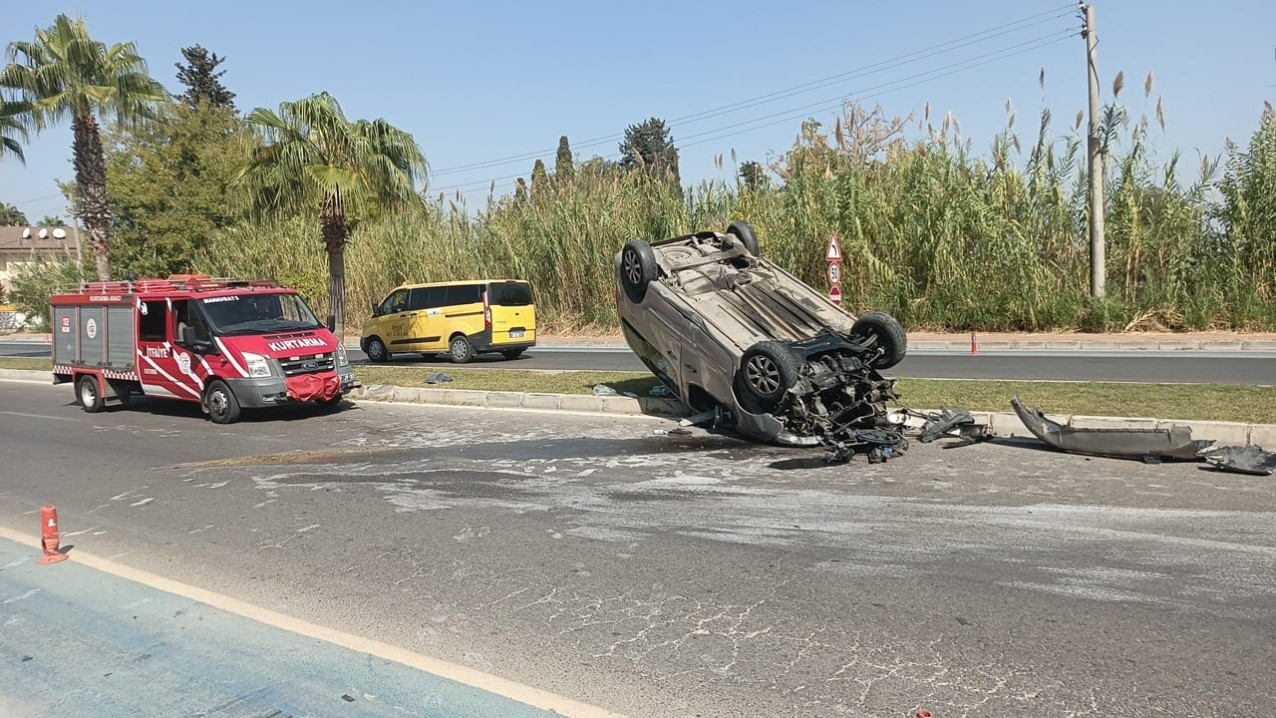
[
  {"x": 510, "y": 294},
  {"x": 258, "y": 314}
]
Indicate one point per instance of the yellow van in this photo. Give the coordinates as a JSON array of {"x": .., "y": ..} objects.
[{"x": 464, "y": 319}]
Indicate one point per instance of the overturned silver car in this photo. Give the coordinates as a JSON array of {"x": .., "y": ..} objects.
[{"x": 734, "y": 335}]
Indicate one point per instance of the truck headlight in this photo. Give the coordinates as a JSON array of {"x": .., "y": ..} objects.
[
  {"x": 342, "y": 359},
  {"x": 258, "y": 365}
]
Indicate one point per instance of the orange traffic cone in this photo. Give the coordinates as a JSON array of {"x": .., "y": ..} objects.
[
  {"x": 49, "y": 539},
  {"x": 974, "y": 345},
  {"x": 923, "y": 713}
]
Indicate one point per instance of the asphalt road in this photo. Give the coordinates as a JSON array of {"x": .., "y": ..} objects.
[
  {"x": 1183, "y": 367},
  {"x": 662, "y": 575}
]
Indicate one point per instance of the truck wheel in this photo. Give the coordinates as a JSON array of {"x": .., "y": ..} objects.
[
  {"x": 768, "y": 370},
  {"x": 89, "y": 394},
  {"x": 638, "y": 268},
  {"x": 376, "y": 351},
  {"x": 223, "y": 407},
  {"x": 888, "y": 334},
  {"x": 745, "y": 232},
  {"x": 460, "y": 349}
]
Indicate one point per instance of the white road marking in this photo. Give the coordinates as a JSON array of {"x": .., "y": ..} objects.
[
  {"x": 534, "y": 697},
  {"x": 37, "y": 416}
]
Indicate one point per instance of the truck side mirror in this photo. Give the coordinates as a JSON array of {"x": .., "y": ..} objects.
[
  {"x": 332, "y": 322},
  {"x": 188, "y": 336}
]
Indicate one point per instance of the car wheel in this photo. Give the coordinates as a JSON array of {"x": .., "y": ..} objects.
[
  {"x": 89, "y": 394},
  {"x": 377, "y": 351},
  {"x": 886, "y": 332},
  {"x": 637, "y": 269},
  {"x": 768, "y": 370},
  {"x": 223, "y": 407},
  {"x": 512, "y": 353},
  {"x": 460, "y": 349},
  {"x": 745, "y": 232}
]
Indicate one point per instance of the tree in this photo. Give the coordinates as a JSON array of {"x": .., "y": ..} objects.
[
  {"x": 170, "y": 187},
  {"x": 520, "y": 191},
  {"x": 202, "y": 80},
  {"x": 11, "y": 216},
  {"x": 47, "y": 221},
  {"x": 12, "y": 133},
  {"x": 308, "y": 157},
  {"x": 564, "y": 165},
  {"x": 649, "y": 146},
  {"x": 752, "y": 176},
  {"x": 540, "y": 181},
  {"x": 66, "y": 74}
]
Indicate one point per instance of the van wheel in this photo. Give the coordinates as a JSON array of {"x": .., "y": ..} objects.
[
  {"x": 745, "y": 232},
  {"x": 768, "y": 370},
  {"x": 376, "y": 351},
  {"x": 512, "y": 353},
  {"x": 638, "y": 268},
  {"x": 220, "y": 401},
  {"x": 460, "y": 349},
  {"x": 89, "y": 394},
  {"x": 887, "y": 333}
]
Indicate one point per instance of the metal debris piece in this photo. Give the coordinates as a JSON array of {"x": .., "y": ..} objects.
[
  {"x": 438, "y": 377},
  {"x": 660, "y": 391},
  {"x": 878, "y": 444},
  {"x": 1252, "y": 460},
  {"x": 1173, "y": 443},
  {"x": 952, "y": 423}
]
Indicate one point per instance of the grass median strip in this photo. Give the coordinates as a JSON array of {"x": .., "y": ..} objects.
[{"x": 1216, "y": 402}]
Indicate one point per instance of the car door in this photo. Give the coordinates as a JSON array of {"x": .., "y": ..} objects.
[
  {"x": 428, "y": 324},
  {"x": 395, "y": 321}
]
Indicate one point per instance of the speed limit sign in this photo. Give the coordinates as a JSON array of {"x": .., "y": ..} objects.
[{"x": 835, "y": 272}]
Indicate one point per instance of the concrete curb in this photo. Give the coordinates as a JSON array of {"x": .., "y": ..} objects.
[{"x": 1003, "y": 424}]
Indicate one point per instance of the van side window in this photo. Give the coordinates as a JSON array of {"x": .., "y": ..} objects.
[
  {"x": 153, "y": 326},
  {"x": 425, "y": 299},
  {"x": 463, "y": 294},
  {"x": 395, "y": 303}
]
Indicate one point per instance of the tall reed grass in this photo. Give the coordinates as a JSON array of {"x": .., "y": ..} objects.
[{"x": 940, "y": 234}]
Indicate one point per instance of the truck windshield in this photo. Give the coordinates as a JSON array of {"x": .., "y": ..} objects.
[{"x": 258, "y": 314}]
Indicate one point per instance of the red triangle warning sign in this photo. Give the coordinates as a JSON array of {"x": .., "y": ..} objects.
[{"x": 834, "y": 253}]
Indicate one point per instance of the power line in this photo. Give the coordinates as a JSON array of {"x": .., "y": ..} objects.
[
  {"x": 890, "y": 63},
  {"x": 804, "y": 111}
]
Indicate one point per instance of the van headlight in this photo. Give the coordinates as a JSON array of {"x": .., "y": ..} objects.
[
  {"x": 342, "y": 360},
  {"x": 258, "y": 365}
]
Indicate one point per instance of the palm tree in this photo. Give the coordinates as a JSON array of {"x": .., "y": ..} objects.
[
  {"x": 10, "y": 130},
  {"x": 66, "y": 74},
  {"x": 308, "y": 158}
]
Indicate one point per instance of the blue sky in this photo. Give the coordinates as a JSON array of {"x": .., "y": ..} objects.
[{"x": 485, "y": 81}]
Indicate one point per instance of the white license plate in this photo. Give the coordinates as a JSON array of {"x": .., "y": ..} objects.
[{"x": 517, "y": 334}]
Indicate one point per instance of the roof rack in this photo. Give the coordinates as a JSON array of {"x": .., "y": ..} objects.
[{"x": 187, "y": 282}]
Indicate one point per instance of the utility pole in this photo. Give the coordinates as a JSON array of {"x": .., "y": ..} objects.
[{"x": 1098, "y": 258}]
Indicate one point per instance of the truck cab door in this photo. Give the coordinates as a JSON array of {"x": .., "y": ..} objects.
[{"x": 157, "y": 366}]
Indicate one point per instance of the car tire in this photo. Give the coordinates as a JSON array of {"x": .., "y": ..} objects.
[
  {"x": 377, "y": 351},
  {"x": 888, "y": 334},
  {"x": 767, "y": 371},
  {"x": 512, "y": 353},
  {"x": 638, "y": 268},
  {"x": 89, "y": 393},
  {"x": 747, "y": 236},
  {"x": 460, "y": 349},
  {"x": 220, "y": 401}
]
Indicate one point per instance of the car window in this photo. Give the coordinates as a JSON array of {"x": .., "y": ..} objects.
[
  {"x": 396, "y": 302},
  {"x": 511, "y": 294},
  {"x": 464, "y": 294},
  {"x": 419, "y": 299}
]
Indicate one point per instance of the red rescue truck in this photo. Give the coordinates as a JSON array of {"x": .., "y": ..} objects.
[{"x": 227, "y": 344}]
